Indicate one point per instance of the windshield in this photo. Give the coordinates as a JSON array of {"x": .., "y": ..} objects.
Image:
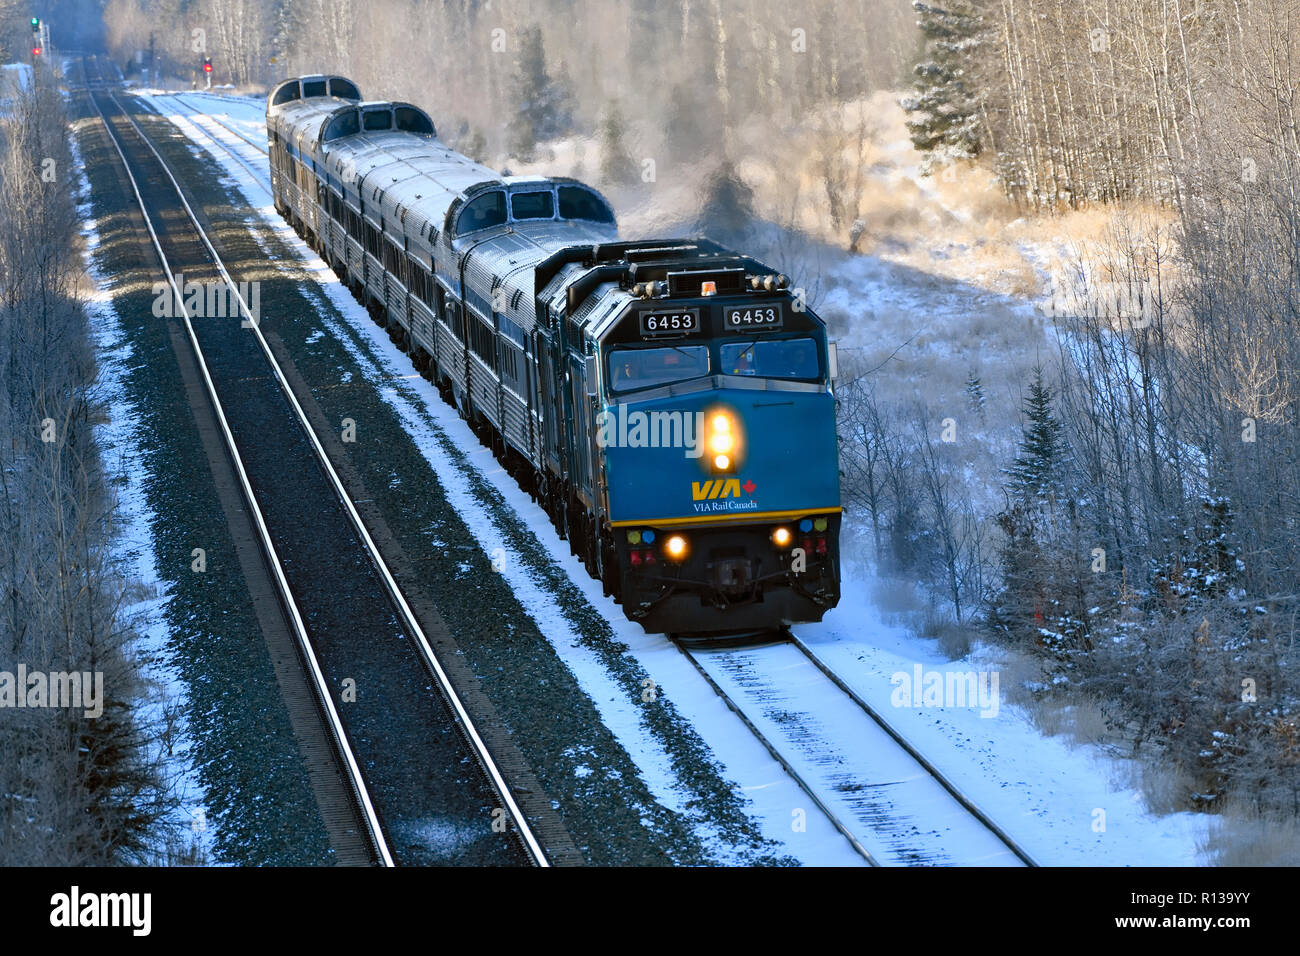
[
  {"x": 532, "y": 205},
  {"x": 771, "y": 358},
  {"x": 631, "y": 369}
]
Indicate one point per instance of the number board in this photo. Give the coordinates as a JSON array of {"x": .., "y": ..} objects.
[
  {"x": 670, "y": 322},
  {"x": 752, "y": 318}
]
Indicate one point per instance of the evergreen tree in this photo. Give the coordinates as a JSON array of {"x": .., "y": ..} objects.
[
  {"x": 945, "y": 108},
  {"x": 616, "y": 166},
  {"x": 1035, "y": 475},
  {"x": 1207, "y": 561},
  {"x": 975, "y": 395},
  {"x": 728, "y": 210},
  {"x": 543, "y": 106},
  {"x": 1048, "y": 585}
]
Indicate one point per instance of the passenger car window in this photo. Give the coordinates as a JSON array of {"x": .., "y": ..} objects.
[
  {"x": 771, "y": 358},
  {"x": 579, "y": 203},
  {"x": 482, "y": 212},
  {"x": 632, "y": 369},
  {"x": 533, "y": 205}
]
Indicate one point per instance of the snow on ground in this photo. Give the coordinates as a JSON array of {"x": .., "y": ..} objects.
[
  {"x": 165, "y": 691},
  {"x": 432, "y": 423},
  {"x": 1042, "y": 791}
]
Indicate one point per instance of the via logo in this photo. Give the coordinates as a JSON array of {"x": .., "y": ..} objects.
[{"x": 718, "y": 488}]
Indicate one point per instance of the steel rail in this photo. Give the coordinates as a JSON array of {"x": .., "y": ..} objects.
[
  {"x": 409, "y": 619},
  {"x": 969, "y": 805},
  {"x": 779, "y": 758},
  {"x": 361, "y": 792}
]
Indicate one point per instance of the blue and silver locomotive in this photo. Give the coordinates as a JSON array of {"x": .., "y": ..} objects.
[{"x": 667, "y": 402}]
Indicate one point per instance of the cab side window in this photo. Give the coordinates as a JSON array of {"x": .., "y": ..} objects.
[
  {"x": 579, "y": 203},
  {"x": 482, "y": 212}
]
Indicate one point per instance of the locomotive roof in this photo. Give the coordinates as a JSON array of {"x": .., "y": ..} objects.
[
  {"x": 304, "y": 118},
  {"x": 512, "y": 257},
  {"x": 335, "y": 87},
  {"x": 381, "y": 160}
]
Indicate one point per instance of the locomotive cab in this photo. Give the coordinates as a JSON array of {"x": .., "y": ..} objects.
[{"x": 717, "y": 439}]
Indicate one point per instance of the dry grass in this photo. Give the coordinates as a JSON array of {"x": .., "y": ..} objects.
[{"x": 1242, "y": 837}]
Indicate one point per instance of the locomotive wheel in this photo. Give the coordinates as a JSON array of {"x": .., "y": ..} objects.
[
  {"x": 542, "y": 493},
  {"x": 611, "y": 579},
  {"x": 590, "y": 548}
]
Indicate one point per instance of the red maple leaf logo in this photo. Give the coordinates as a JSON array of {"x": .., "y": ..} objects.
[{"x": 749, "y": 486}]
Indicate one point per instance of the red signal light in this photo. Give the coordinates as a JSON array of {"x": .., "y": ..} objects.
[
  {"x": 36, "y": 51},
  {"x": 207, "y": 65}
]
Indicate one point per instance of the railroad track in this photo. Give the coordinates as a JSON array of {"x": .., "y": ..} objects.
[
  {"x": 892, "y": 805},
  {"x": 889, "y": 802},
  {"x": 200, "y": 120},
  {"x": 197, "y": 111},
  {"x": 405, "y": 755}
]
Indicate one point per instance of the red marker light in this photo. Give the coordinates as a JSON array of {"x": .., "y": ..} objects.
[{"x": 36, "y": 51}]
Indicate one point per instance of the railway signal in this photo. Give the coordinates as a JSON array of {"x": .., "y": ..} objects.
[
  {"x": 36, "y": 24},
  {"x": 36, "y": 51},
  {"x": 207, "y": 70}
]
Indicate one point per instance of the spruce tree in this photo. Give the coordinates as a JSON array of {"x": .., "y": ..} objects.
[
  {"x": 728, "y": 209},
  {"x": 1035, "y": 475},
  {"x": 543, "y": 108},
  {"x": 1047, "y": 586},
  {"x": 616, "y": 166},
  {"x": 975, "y": 395},
  {"x": 945, "y": 108}
]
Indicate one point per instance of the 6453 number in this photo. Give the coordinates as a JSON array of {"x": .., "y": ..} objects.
[
  {"x": 745, "y": 317},
  {"x": 681, "y": 322}
]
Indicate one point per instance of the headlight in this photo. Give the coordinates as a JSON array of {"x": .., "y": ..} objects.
[
  {"x": 675, "y": 547},
  {"x": 781, "y": 537},
  {"x": 724, "y": 440}
]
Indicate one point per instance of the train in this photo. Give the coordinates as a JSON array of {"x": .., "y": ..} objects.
[{"x": 669, "y": 403}]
